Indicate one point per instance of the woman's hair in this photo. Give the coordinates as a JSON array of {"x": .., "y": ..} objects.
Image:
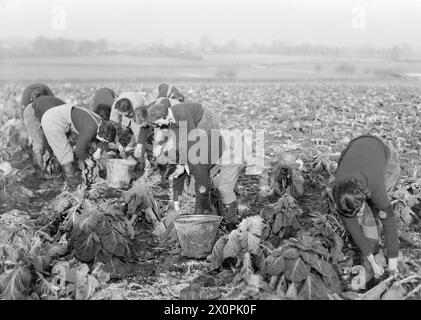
[
  {"x": 349, "y": 195},
  {"x": 124, "y": 105},
  {"x": 157, "y": 111},
  {"x": 140, "y": 114},
  {"x": 176, "y": 95},
  {"x": 107, "y": 131},
  {"x": 38, "y": 92},
  {"x": 104, "y": 111}
]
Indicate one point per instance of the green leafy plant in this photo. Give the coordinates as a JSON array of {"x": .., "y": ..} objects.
[{"x": 281, "y": 219}]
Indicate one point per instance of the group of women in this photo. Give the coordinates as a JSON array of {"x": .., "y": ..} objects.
[{"x": 367, "y": 170}]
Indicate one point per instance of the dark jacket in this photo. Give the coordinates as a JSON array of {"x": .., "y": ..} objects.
[
  {"x": 30, "y": 90},
  {"x": 44, "y": 103},
  {"x": 87, "y": 128},
  {"x": 189, "y": 115}
]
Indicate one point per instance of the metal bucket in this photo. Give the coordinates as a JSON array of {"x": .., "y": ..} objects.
[
  {"x": 197, "y": 234},
  {"x": 119, "y": 172}
]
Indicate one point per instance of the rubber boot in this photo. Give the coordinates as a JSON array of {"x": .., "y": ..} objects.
[
  {"x": 70, "y": 175},
  {"x": 230, "y": 214}
]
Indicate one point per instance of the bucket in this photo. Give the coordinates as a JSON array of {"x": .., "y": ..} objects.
[
  {"x": 119, "y": 172},
  {"x": 197, "y": 234}
]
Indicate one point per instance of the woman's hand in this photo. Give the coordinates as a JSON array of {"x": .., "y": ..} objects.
[
  {"x": 377, "y": 269},
  {"x": 177, "y": 206},
  {"x": 97, "y": 154},
  {"x": 138, "y": 151}
]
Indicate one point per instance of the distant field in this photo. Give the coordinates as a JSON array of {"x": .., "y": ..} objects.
[{"x": 215, "y": 67}]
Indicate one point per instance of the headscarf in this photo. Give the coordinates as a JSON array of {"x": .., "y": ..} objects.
[
  {"x": 34, "y": 91},
  {"x": 137, "y": 100},
  {"x": 104, "y": 96},
  {"x": 166, "y": 90}
]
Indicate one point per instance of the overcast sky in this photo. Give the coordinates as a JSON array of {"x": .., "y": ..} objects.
[{"x": 334, "y": 22}]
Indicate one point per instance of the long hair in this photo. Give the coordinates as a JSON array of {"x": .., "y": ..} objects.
[{"x": 349, "y": 195}]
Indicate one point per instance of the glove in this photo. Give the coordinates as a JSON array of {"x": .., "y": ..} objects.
[
  {"x": 81, "y": 165},
  {"x": 177, "y": 205},
  {"x": 178, "y": 171},
  {"x": 138, "y": 151},
  {"x": 393, "y": 265},
  {"x": 377, "y": 269},
  {"x": 157, "y": 150},
  {"x": 120, "y": 148},
  {"x": 97, "y": 154}
]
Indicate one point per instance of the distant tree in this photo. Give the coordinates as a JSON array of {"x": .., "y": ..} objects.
[
  {"x": 87, "y": 47},
  {"x": 101, "y": 45},
  {"x": 231, "y": 46},
  {"x": 206, "y": 45},
  {"x": 277, "y": 47},
  {"x": 396, "y": 53},
  {"x": 64, "y": 46},
  {"x": 42, "y": 46}
]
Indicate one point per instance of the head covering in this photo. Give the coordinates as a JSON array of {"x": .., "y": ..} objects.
[
  {"x": 34, "y": 91},
  {"x": 137, "y": 99},
  {"x": 104, "y": 96},
  {"x": 106, "y": 131},
  {"x": 166, "y": 90}
]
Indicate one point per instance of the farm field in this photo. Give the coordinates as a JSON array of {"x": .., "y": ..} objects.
[
  {"x": 287, "y": 247},
  {"x": 210, "y": 68}
]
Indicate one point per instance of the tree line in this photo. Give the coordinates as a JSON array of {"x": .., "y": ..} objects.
[{"x": 43, "y": 46}]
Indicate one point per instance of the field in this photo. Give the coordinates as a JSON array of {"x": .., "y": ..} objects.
[
  {"x": 211, "y": 68},
  {"x": 308, "y": 256}
]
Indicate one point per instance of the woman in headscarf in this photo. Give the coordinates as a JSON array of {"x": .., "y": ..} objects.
[
  {"x": 204, "y": 166},
  {"x": 367, "y": 171},
  {"x": 165, "y": 94},
  {"x": 34, "y": 91},
  {"x": 166, "y": 90},
  {"x": 122, "y": 113},
  {"x": 102, "y": 102},
  {"x": 32, "y": 119},
  {"x": 32, "y": 124},
  {"x": 58, "y": 122}
]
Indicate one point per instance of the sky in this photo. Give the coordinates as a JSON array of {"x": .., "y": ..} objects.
[{"x": 327, "y": 22}]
